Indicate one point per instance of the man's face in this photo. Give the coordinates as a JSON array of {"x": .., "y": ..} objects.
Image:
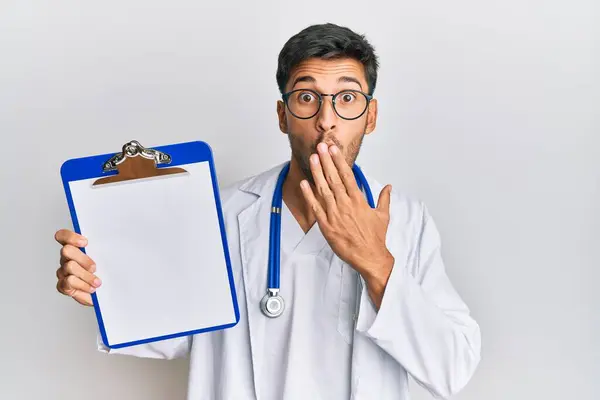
[{"x": 329, "y": 77}]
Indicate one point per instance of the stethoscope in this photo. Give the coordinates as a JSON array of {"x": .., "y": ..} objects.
[{"x": 272, "y": 303}]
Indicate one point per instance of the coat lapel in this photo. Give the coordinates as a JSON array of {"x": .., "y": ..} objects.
[{"x": 254, "y": 223}]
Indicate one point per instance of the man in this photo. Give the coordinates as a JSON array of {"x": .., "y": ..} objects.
[{"x": 367, "y": 298}]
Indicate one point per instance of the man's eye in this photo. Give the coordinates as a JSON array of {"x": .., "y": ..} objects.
[
  {"x": 347, "y": 97},
  {"x": 306, "y": 97}
]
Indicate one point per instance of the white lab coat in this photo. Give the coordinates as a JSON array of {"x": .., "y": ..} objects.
[{"x": 423, "y": 328}]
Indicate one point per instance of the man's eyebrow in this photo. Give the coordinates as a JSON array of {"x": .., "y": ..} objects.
[
  {"x": 310, "y": 79},
  {"x": 350, "y": 79},
  {"x": 304, "y": 78}
]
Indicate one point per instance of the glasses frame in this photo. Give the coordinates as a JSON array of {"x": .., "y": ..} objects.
[{"x": 333, "y": 96}]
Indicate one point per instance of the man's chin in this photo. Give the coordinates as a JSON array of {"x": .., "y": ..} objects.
[{"x": 305, "y": 168}]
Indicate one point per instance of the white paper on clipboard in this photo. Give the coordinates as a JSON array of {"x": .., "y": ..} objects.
[{"x": 158, "y": 249}]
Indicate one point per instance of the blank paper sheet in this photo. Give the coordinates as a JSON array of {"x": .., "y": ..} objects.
[{"x": 158, "y": 250}]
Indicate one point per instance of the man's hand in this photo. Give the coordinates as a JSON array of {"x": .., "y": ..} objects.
[
  {"x": 75, "y": 275},
  {"x": 355, "y": 231}
]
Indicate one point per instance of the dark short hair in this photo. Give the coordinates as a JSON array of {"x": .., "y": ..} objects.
[{"x": 328, "y": 42}]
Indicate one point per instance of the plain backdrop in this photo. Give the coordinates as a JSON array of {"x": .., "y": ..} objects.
[{"x": 489, "y": 112}]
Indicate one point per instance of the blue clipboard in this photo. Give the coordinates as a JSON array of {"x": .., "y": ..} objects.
[{"x": 85, "y": 168}]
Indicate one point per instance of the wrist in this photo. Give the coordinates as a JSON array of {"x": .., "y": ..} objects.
[
  {"x": 376, "y": 278},
  {"x": 378, "y": 272}
]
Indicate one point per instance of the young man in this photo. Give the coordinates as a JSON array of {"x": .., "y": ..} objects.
[{"x": 367, "y": 298}]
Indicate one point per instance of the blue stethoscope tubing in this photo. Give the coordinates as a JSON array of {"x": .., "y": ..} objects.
[{"x": 272, "y": 303}]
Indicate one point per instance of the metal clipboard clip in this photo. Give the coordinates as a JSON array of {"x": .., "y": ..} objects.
[{"x": 136, "y": 162}]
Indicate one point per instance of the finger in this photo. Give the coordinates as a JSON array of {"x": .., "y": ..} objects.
[
  {"x": 313, "y": 203},
  {"x": 71, "y": 283},
  {"x": 60, "y": 286},
  {"x": 345, "y": 172},
  {"x": 322, "y": 187},
  {"x": 72, "y": 268},
  {"x": 78, "y": 295},
  {"x": 330, "y": 172},
  {"x": 69, "y": 252},
  {"x": 64, "y": 260},
  {"x": 83, "y": 298},
  {"x": 64, "y": 288},
  {"x": 65, "y": 236},
  {"x": 383, "y": 203}
]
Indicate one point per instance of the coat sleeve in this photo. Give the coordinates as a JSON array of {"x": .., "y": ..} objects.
[
  {"x": 422, "y": 322},
  {"x": 169, "y": 349}
]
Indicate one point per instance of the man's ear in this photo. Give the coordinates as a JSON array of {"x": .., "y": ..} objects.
[
  {"x": 282, "y": 117},
  {"x": 371, "y": 117}
]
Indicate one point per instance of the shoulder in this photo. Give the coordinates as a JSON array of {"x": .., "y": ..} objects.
[
  {"x": 403, "y": 205},
  {"x": 241, "y": 193},
  {"x": 408, "y": 213}
]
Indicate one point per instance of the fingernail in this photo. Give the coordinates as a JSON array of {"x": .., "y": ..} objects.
[
  {"x": 93, "y": 268},
  {"x": 304, "y": 184},
  {"x": 97, "y": 282},
  {"x": 314, "y": 159},
  {"x": 81, "y": 242},
  {"x": 333, "y": 149},
  {"x": 322, "y": 147}
]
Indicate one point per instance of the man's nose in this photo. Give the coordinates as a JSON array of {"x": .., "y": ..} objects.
[{"x": 326, "y": 118}]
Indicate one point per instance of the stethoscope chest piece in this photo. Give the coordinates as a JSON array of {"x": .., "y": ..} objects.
[{"x": 272, "y": 304}]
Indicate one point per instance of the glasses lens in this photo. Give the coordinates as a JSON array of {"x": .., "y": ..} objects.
[
  {"x": 350, "y": 104},
  {"x": 303, "y": 103}
]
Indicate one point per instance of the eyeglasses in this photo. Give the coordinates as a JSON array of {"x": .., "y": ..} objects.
[{"x": 347, "y": 104}]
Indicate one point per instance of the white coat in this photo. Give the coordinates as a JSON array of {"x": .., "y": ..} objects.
[{"x": 422, "y": 328}]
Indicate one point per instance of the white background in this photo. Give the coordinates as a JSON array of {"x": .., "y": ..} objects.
[{"x": 488, "y": 112}]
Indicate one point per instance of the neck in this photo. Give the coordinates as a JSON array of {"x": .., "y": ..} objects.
[{"x": 294, "y": 199}]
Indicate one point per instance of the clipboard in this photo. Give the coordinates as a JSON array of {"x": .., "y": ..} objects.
[{"x": 155, "y": 229}]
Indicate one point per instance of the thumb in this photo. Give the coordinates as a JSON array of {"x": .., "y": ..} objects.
[{"x": 383, "y": 204}]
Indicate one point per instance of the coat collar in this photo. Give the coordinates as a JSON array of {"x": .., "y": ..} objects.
[{"x": 263, "y": 184}]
